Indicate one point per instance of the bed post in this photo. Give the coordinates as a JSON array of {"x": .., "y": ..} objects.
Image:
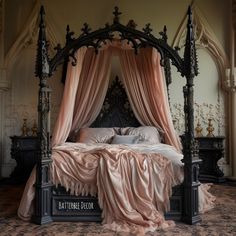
[
  {"x": 167, "y": 68},
  {"x": 42, "y": 209},
  {"x": 190, "y": 149},
  {"x": 66, "y": 60}
]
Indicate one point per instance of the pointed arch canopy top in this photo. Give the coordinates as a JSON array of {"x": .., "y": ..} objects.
[{"x": 136, "y": 38}]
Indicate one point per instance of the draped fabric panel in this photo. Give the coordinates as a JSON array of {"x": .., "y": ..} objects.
[
  {"x": 87, "y": 83},
  {"x": 64, "y": 121},
  {"x": 143, "y": 80},
  {"x": 92, "y": 88},
  {"x": 84, "y": 93}
]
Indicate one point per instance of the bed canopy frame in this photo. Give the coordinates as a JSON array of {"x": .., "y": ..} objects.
[{"x": 45, "y": 67}]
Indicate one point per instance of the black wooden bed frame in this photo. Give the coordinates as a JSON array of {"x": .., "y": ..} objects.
[{"x": 54, "y": 204}]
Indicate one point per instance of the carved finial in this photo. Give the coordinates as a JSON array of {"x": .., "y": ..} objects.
[
  {"x": 177, "y": 48},
  {"x": 131, "y": 24},
  {"x": 69, "y": 34},
  {"x": 190, "y": 55},
  {"x": 67, "y": 29},
  {"x": 164, "y": 34},
  {"x": 58, "y": 47},
  {"x": 165, "y": 29},
  {"x": 189, "y": 14},
  {"x": 86, "y": 29},
  {"x": 42, "y": 15},
  {"x": 147, "y": 30},
  {"x": 42, "y": 67},
  {"x": 116, "y": 13}
]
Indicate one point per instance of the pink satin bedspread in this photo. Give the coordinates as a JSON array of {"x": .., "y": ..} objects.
[{"x": 133, "y": 183}]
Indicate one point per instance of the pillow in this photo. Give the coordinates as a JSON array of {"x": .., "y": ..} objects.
[
  {"x": 147, "y": 134},
  {"x": 95, "y": 135},
  {"x": 125, "y": 139}
]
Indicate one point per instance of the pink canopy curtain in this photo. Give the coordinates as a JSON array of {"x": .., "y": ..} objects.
[
  {"x": 84, "y": 93},
  {"x": 87, "y": 83},
  {"x": 64, "y": 120},
  {"x": 92, "y": 88},
  {"x": 145, "y": 88}
]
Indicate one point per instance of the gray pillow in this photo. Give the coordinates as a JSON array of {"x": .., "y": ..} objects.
[
  {"x": 125, "y": 139},
  {"x": 147, "y": 134}
]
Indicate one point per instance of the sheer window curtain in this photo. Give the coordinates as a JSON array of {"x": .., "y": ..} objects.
[
  {"x": 84, "y": 92},
  {"x": 144, "y": 83}
]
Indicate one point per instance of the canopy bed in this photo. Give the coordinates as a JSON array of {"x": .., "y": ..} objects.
[{"x": 120, "y": 115}]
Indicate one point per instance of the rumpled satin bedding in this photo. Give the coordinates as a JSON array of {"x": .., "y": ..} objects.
[{"x": 133, "y": 182}]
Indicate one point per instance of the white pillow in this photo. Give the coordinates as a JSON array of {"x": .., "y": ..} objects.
[
  {"x": 125, "y": 139},
  {"x": 147, "y": 134}
]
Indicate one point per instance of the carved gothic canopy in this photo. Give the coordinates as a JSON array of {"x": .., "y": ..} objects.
[{"x": 45, "y": 66}]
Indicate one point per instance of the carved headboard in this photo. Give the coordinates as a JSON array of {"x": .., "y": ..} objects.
[{"x": 116, "y": 110}]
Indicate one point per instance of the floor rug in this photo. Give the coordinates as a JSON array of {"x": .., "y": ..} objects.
[{"x": 220, "y": 221}]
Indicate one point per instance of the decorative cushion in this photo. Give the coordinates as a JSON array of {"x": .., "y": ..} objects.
[
  {"x": 125, "y": 139},
  {"x": 95, "y": 135},
  {"x": 147, "y": 134}
]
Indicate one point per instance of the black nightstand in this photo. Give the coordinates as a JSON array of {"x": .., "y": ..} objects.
[
  {"x": 23, "y": 150},
  {"x": 211, "y": 149}
]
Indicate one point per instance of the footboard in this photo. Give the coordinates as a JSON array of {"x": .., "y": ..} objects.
[{"x": 66, "y": 207}]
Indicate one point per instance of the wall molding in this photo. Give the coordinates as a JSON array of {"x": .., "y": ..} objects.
[
  {"x": 207, "y": 40},
  {"x": 29, "y": 34}
]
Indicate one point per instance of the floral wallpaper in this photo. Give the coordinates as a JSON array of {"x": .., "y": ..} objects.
[{"x": 203, "y": 114}]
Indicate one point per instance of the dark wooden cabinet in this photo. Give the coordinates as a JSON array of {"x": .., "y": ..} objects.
[
  {"x": 23, "y": 150},
  {"x": 211, "y": 150}
]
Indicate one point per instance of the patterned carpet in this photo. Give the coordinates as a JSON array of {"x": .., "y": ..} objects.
[{"x": 221, "y": 221}]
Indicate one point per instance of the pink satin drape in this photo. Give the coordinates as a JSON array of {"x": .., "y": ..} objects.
[
  {"x": 64, "y": 121},
  {"x": 87, "y": 83},
  {"x": 144, "y": 83},
  {"x": 92, "y": 88},
  {"x": 84, "y": 93}
]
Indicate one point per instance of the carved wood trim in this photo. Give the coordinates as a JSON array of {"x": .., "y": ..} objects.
[{"x": 136, "y": 38}]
